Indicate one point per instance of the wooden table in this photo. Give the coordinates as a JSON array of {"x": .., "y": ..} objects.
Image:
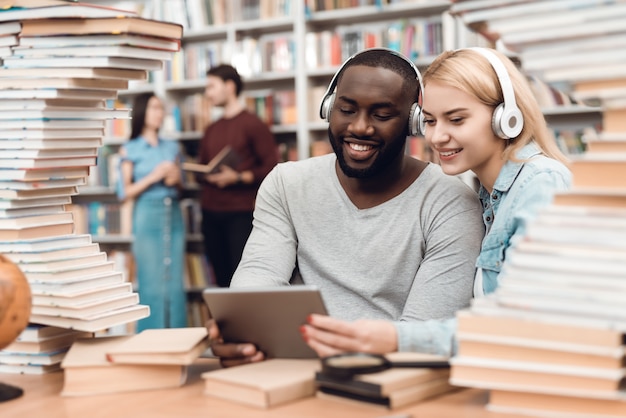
[{"x": 42, "y": 399}]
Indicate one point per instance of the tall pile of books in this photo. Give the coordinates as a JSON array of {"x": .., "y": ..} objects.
[
  {"x": 61, "y": 62},
  {"x": 551, "y": 340}
]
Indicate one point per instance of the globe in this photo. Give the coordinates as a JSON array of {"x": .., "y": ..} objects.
[{"x": 15, "y": 304}]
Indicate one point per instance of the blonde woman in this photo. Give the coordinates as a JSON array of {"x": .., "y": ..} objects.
[{"x": 480, "y": 114}]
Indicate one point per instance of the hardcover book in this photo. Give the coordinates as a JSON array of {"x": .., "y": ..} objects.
[
  {"x": 96, "y": 322},
  {"x": 263, "y": 385},
  {"x": 227, "y": 156},
  {"x": 119, "y": 25},
  {"x": 161, "y": 346},
  {"x": 608, "y": 405},
  {"x": 395, "y": 399},
  {"x": 74, "y": 72}
]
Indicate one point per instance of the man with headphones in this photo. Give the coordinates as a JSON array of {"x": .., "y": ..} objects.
[{"x": 389, "y": 240}]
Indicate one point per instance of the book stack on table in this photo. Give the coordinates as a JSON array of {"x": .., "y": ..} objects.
[
  {"x": 392, "y": 388},
  {"x": 552, "y": 338},
  {"x": 151, "y": 359},
  {"x": 62, "y": 63}
]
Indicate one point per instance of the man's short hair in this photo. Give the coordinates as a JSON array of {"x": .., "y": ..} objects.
[{"x": 227, "y": 72}]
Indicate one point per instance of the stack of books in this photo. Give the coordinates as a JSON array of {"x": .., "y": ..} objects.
[
  {"x": 58, "y": 70},
  {"x": 38, "y": 349},
  {"x": 151, "y": 359},
  {"x": 390, "y": 389},
  {"x": 552, "y": 338},
  {"x": 560, "y": 41}
]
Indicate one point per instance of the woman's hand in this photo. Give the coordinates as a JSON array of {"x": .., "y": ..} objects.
[
  {"x": 329, "y": 336},
  {"x": 172, "y": 176},
  {"x": 162, "y": 170}
]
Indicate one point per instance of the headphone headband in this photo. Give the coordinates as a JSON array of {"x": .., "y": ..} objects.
[{"x": 329, "y": 95}]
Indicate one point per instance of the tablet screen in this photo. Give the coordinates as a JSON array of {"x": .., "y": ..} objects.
[{"x": 269, "y": 317}]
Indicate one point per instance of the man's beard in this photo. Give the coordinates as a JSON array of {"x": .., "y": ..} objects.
[{"x": 385, "y": 156}]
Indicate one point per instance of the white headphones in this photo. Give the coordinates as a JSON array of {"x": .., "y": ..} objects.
[
  {"x": 507, "y": 121},
  {"x": 415, "y": 115}
]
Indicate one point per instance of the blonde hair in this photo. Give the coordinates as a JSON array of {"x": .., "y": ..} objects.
[{"x": 470, "y": 72}]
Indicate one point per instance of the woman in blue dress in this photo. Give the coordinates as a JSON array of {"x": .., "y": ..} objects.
[{"x": 151, "y": 177}]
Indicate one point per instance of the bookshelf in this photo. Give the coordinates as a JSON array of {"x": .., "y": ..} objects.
[{"x": 286, "y": 49}]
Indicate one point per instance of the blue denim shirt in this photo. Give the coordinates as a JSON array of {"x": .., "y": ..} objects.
[
  {"x": 520, "y": 191},
  {"x": 145, "y": 158}
]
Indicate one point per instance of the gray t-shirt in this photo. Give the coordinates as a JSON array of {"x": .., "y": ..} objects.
[{"x": 410, "y": 258}]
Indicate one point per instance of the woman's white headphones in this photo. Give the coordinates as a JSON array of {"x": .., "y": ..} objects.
[{"x": 507, "y": 121}]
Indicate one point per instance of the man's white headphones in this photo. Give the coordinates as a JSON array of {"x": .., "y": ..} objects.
[
  {"x": 415, "y": 115},
  {"x": 507, "y": 121}
]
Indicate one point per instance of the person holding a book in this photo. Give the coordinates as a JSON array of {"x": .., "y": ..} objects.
[
  {"x": 390, "y": 241},
  {"x": 228, "y": 195},
  {"x": 150, "y": 176},
  {"x": 479, "y": 114}
]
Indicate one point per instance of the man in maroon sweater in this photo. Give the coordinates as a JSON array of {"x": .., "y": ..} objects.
[{"x": 228, "y": 195}]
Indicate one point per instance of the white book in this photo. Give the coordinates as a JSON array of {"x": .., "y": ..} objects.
[
  {"x": 50, "y": 254},
  {"x": 62, "y": 141},
  {"x": 16, "y": 185},
  {"x": 555, "y": 13},
  {"x": 9, "y": 28},
  {"x": 570, "y": 249},
  {"x": 44, "y": 103},
  {"x": 538, "y": 274},
  {"x": 75, "y": 94},
  {"x": 63, "y": 199},
  {"x": 614, "y": 375},
  {"x": 94, "y": 50},
  {"x": 77, "y": 284},
  {"x": 36, "y": 220},
  {"x": 29, "y": 369},
  {"x": 102, "y": 62},
  {"x": 43, "y": 174},
  {"x": 47, "y": 162},
  {"x": 68, "y": 273},
  {"x": 88, "y": 309},
  {"x": 567, "y": 263},
  {"x": 41, "y": 210},
  {"x": 69, "y": 299},
  {"x": 46, "y": 244},
  {"x": 49, "y": 153},
  {"x": 66, "y": 262},
  {"x": 82, "y": 10},
  {"x": 67, "y": 125},
  {"x": 70, "y": 113},
  {"x": 597, "y": 28},
  {"x": 49, "y": 134},
  {"x": 94, "y": 39},
  {"x": 491, "y": 306},
  {"x": 96, "y": 322},
  {"x": 582, "y": 58},
  {"x": 584, "y": 73}
]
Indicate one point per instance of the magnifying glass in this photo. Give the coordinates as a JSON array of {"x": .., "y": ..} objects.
[{"x": 347, "y": 365}]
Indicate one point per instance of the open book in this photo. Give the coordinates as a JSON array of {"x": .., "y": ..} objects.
[{"x": 227, "y": 156}]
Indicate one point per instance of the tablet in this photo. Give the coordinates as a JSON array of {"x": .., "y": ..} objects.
[{"x": 269, "y": 317}]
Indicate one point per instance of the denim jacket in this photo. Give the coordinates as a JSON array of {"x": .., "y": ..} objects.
[{"x": 521, "y": 190}]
